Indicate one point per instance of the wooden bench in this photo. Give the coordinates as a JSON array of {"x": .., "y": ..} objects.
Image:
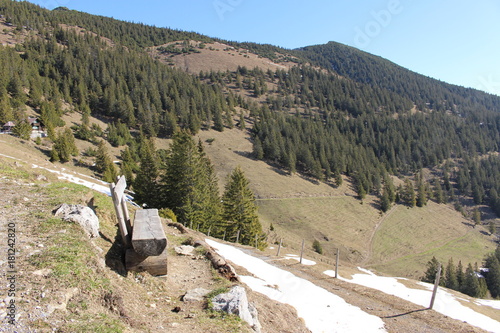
[{"x": 145, "y": 239}]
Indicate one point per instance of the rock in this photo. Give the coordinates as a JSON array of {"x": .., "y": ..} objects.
[
  {"x": 185, "y": 250},
  {"x": 82, "y": 215},
  {"x": 43, "y": 272},
  {"x": 236, "y": 302},
  {"x": 41, "y": 178},
  {"x": 195, "y": 295}
]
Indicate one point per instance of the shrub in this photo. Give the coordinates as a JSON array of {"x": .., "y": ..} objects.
[{"x": 317, "y": 247}]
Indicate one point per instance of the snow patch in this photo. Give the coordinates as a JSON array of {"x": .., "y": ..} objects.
[
  {"x": 445, "y": 303},
  {"x": 305, "y": 261},
  {"x": 321, "y": 310}
]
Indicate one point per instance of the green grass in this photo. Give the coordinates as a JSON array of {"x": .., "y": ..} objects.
[
  {"x": 408, "y": 238},
  {"x": 69, "y": 255},
  {"x": 343, "y": 220}
]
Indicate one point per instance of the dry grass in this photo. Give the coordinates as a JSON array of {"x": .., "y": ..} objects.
[{"x": 217, "y": 57}]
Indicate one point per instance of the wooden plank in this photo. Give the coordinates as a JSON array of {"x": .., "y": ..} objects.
[
  {"x": 120, "y": 187},
  {"x": 154, "y": 265},
  {"x": 148, "y": 237},
  {"x": 124, "y": 231}
]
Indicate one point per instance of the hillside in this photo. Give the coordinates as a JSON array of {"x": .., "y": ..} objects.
[
  {"x": 71, "y": 283},
  {"x": 339, "y": 147}
]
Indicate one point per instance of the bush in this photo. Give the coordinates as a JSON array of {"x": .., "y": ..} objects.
[
  {"x": 167, "y": 213},
  {"x": 317, "y": 247}
]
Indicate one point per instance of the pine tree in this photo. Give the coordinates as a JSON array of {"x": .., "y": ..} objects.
[
  {"x": 431, "y": 272},
  {"x": 104, "y": 164},
  {"x": 146, "y": 181},
  {"x": 385, "y": 202},
  {"x": 64, "y": 147},
  {"x": 421, "y": 193},
  {"x": 471, "y": 285},
  {"x": 22, "y": 130},
  {"x": 438, "y": 192},
  {"x": 409, "y": 194},
  {"x": 189, "y": 185},
  {"x": 493, "y": 277},
  {"x": 476, "y": 217},
  {"x": 460, "y": 275},
  {"x": 451, "y": 276},
  {"x": 240, "y": 211}
]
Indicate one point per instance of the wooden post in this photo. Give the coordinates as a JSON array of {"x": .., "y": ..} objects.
[
  {"x": 256, "y": 241},
  {"x": 238, "y": 237},
  {"x": 209, "y": 231},
  {"x": 302, "y": 251},
  {"x": 122, "y": 225},
  {"x": 436, "y": 285},
  {"x": 224, "y": 237},
  {"x": 337, "y": 263},
  {"x": 279, "y": 247}
]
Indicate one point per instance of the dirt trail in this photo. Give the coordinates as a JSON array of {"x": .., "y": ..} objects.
[{"x": 372, "y": 236}]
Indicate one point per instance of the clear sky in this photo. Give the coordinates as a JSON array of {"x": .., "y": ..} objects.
[{"x": 457, "y": 41}]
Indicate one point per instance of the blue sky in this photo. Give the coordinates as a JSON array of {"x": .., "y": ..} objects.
[{"x": 454, "y": 41}]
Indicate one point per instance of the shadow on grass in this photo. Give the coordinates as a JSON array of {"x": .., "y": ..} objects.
[{"x": 115, "y": 257}]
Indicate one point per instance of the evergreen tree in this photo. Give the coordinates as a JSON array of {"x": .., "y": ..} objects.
[
  {"x": 409, "y": 194},
  {"x": 421, "y": 193},
  {"x": 460, "y": 275},
  {"x": 22, "y": 130},
  {"x": 189, "y": 185},
  {"x": 471, "y": 285},
  {"x": 492, "y": 228},
  {"x": 146, "y": 181},
  {"x": 240, "y": 211},
  {"x": 438, "y": 192},
  {"x": 64, "y": 147},
  {"x": 104, "y": 164},
  {"x": 385, "y": 203},
  {"x": 431, "y": 272},
  {"x": 476, "y": 217},
  {"x": 493, "y": 277},
  {"x": 451, "y": 276}
]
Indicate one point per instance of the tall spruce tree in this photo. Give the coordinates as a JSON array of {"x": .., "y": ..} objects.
[
  {"x": 189, "y": 185},
  {"x": 451, "y": 276},
  {"x": 493, "y": 277},
  {"x": 146, "y": 181},
  {"x": 240, "y": 211},
  {"x": 471, "y": 285}
]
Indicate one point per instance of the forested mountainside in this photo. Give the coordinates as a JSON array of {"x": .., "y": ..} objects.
[{"x": 337, "y": 111}]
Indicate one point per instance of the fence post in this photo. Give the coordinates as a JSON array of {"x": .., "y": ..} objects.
[
  {"x": 238, "y": 237},
  {"x": 302, "y": 251},
  {"x": 224, "y": 237},
  {"x": 436, "y": 284},
  {"x": 337, "y": 263},
  {"x": 256, "y": 241},
  {"x": 279, "y": 248}
]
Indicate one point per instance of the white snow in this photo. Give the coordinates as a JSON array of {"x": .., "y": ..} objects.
[
  {"x": 445, "y": 302},
  {"x": 77, "y": 180},
  {"x": 321, "y": 310},
  {"x": 305, "y": 261},
  {"x": 488, "y": 302}
]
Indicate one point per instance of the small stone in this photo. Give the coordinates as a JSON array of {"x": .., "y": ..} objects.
[
  {"x": 195, "y": 295},
  {"x": 152, "y": 306},
  {"x": 43, "y": 272},
  {"x": 185, "y": 250}
]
